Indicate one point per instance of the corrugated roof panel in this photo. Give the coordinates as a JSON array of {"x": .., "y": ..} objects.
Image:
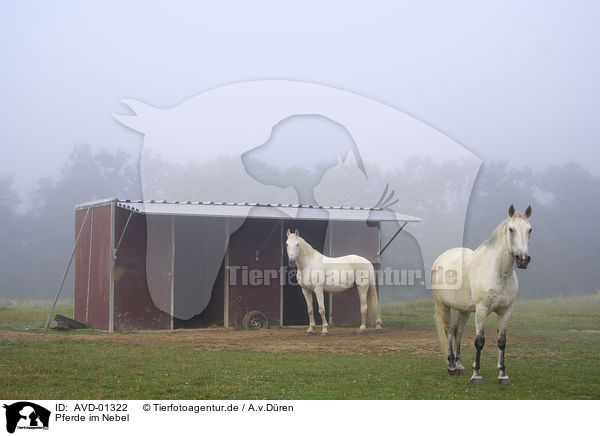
[{"x": 255, "y": 210}]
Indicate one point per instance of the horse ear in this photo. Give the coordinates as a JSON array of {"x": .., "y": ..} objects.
[
  {"x": 528, "y": 211},
  {"x": 511, "y": 210},
  {"x": 297, "y": 233},
  {"x": 288, "y": 232}
]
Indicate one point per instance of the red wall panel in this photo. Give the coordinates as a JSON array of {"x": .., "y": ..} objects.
[
  {"x": 134, "y": 306},
  {"x": 243, "y": 244},
  {"x": 97, "y": 299}
]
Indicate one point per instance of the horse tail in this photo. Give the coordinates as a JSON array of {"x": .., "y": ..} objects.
[
  {"x": 441, "y": 312},
  {"x": 373, "y": 309}
]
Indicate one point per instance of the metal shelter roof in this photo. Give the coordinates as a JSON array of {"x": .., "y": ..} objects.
[{"x": 256, "y": 210}]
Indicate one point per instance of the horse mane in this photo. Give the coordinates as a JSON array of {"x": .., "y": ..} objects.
[
  {"x": 498, "y": 231},
  {"x": 495, "y": 236},
  {"x": 305, "y": 244}
]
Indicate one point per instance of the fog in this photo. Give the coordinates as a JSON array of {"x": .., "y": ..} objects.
[
  {"x": 36, "y": 243},
  {"x": 514, "y": 84}
]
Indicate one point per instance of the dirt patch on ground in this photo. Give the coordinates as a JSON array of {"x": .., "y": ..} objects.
[{"x": 340, "y": 340}]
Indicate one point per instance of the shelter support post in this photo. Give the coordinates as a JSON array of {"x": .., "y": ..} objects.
[
  {"x": 62, "y": 282},
  {"x": 123, "y": 233},
  {"x": 226, "y": 276},
  {"x": 393, "y": 237},
  {"x": 172, "y": 273},
  {"x": 281, "y": 271},
  {"x": 89, "y": 277},
  {"x": 111, "y": 289}
]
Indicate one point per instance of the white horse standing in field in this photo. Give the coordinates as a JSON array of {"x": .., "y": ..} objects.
[
  {"x": 318, "y": 273},
  {"x": 485, "y": 282}
]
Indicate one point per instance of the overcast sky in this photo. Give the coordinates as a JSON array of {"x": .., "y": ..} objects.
[{"x": 508, "y": 80}]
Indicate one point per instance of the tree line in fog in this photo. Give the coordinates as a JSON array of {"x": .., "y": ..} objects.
[{"x": 37, "y": 228}]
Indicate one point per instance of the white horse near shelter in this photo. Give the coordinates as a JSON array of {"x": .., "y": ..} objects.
[
  {"x": 318, "y": 273},
  {"x": 481, "y": 281}
]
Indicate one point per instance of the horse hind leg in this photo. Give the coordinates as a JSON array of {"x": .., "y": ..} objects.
[
  {"x": 373, "y": 306},
  {"x": 362, "y": 293},
  {"x": 443, "y": 317},
  {"x": 459, "y": 329}
]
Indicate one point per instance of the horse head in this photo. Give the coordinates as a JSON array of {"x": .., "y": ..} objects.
[
  {"x": 518, "y": 233},
  {"x": 293, "y": 247}
]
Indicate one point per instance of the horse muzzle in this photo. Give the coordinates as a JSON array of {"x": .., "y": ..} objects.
[
  {"x": 292, "y": 263},
  {"x": 522, "y": 260}
]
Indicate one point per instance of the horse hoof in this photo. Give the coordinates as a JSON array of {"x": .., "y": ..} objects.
[
  {"x": 504, "y": 381},
  {"x": 360, "y": 332},
  {"x": 378, "y": 330},
  {"x": 477, "y": 381},
  {"x": 324, "y": 333},
  {"x": 451, "y": 371},
  {"x": 309, "y": 333},
  {"x": 461, "y": 371}
]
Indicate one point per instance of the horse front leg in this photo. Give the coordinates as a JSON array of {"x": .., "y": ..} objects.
[
  {"x": 311, "y": 317},
  {"x": 503, "y": 318},
  {"x": 321, "y": 302},
  {"x": 480, "y": 316}
]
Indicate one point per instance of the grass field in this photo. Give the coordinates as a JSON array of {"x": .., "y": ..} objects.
[{"x": 553, "y": 352}]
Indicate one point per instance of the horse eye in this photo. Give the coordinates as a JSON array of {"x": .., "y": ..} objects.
[
  {"x": 530, "y": 231},
  {"x": 511, "y": 229}
]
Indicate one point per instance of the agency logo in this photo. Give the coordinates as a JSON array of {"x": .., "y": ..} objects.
[{"x": 26, "y": 415}]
